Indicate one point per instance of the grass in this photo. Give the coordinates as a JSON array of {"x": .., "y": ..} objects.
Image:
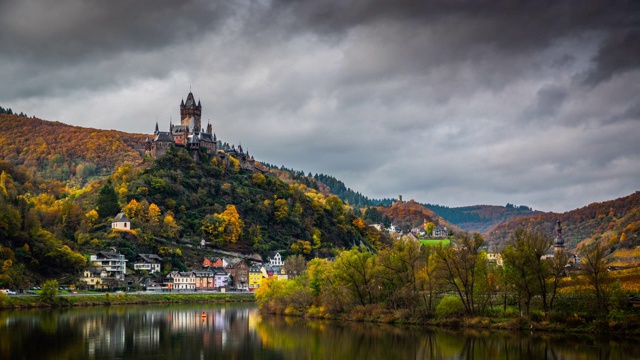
[
  {"x": 435, "y": 242},
  {"x": 9, "y": 302}
]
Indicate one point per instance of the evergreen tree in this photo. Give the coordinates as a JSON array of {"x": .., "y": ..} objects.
[{"x": 107, "y": 203}]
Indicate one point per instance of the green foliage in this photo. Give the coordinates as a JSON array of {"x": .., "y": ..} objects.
[
  {"x": 450, "y": 306},
  {"x": 107, "y": 203},
  {"x": 49, "y": 292}
]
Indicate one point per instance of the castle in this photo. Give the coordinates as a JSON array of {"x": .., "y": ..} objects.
[{"x": 190, "y": 134}]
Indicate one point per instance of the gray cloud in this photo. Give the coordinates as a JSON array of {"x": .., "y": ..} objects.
[{"x": 455, "y": 103}]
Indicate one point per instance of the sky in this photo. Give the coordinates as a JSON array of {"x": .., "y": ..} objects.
[{"x": 452, "y": 102}]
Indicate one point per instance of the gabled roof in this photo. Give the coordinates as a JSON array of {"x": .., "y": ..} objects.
[
  {"x": 109, "y": 255},
  {"x": 150, "y": 258},
  {"x": 164, "y": 137},
  {"x": 121, "y": 218}
]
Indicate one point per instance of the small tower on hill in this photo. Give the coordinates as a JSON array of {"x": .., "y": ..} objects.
[{"x": 559, "y": 242}]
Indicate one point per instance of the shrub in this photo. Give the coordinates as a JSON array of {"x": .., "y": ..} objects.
[
  {"x": 450, "y": 306},
  {"x": 49, "y": 292}
]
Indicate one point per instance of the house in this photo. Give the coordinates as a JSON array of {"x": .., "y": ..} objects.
[
  {"x": 275, "y": 259},
  {"x": 440, "y": 232},
  {"x": 121, "y": 222},
  {"x": 205, "y": 280},
  {"x": 148, "y": 262},
  {"x": 113, "y": 263},
  {"x": 216, "y": 262},
  {"x": 267, "y": 271},
  {"x": 255, "y": 277},
  {"x": 239, "y": 272},
  {"x": 280, "y": 273},
  {"x": 94, "y": 278},
  {"x": 220, "y": 278},
  {"x": 409, "y": 236},
  {"x": 178, "y": 280}
]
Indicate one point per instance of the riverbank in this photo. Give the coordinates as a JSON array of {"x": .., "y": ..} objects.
[
  {"x": 507, "y": 321},
  {"x": 20, "y": 302}
]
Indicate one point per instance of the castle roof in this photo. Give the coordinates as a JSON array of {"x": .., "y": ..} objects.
[
  {"x": 191, "y": 101},
  {"x": 164, "y": 137}
]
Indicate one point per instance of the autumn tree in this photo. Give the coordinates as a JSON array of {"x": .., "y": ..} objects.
[
  {"x": 458, "y": 267},
  {"x": 595, "y": 270},
  {"x": 295, "y": 265},
  {"x": 224, "y": 227},
  {"x": 355, "y": 270},
  {"x": 530, "y": 273},
  {"x": 399, "y": 272}
]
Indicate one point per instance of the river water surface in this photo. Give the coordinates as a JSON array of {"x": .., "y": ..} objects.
[{"x": 238, "y": 331}]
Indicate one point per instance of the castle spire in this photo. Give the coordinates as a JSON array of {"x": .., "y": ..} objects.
[
  {"x": 157, "y": 129},
  {"x": 559, "y": 242}
]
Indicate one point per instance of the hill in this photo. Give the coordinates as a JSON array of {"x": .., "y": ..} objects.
[
  {"x": 71, "y": 154},
  {"x": 410, "y": 214},
  {"x": 173, "y": 202},
  {"x": 594, "y": 222},
  {"x": 481, "y": 218}
]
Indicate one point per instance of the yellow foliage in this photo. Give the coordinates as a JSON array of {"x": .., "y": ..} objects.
[
  {"x": 359, "y": 223},
  {"x": 235, "y": 164},
  {"x": 92, "y": 216}
]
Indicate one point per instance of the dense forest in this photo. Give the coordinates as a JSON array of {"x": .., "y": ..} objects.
[
  {"x": 481, "y": 218},
  {"x": 57, "y": 151}
]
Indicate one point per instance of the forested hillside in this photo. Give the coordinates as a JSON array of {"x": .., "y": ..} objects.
[
  {"x": 173, "y": 203},
  {"x": 614, "y": 220},
  {"x": 481, "y": 218},
  {"x": 66, "y": 153}
]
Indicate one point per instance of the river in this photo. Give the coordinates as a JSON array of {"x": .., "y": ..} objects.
[{"x": 238, "y": 331}]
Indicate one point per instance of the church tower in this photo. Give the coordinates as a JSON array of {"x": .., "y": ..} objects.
[
  {"x": 559, "y": 242},
  {"x": 190, "y": 113}
]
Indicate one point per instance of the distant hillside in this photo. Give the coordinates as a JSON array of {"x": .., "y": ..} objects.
[
  {"x": 410, "y": 214},
  {"x": 588, "y": 223},
  {"x": 63, "y": 152},
  {"x": 481, "y": 218}
]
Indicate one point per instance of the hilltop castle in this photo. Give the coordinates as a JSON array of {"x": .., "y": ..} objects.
[{"x": 190, "y": 134}]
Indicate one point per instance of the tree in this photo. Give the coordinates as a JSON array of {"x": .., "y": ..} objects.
[
  {"x": 226, "y": 226},
  {"x": 355, "y": 270},
  {"x": 594, "y": 269},
  {"x": 107, "y": 203},
  {"x": 458, "y": 266},
  {"x": 49, "y": 291},
  {"x": 400, "y": 266},
  {"x": 530, "y": 274},
  {"x": 295, "y": 265},
  {"x": 429, "y": 227}
]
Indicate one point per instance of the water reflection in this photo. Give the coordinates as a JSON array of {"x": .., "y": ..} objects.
[{"x": 240, "y": 332}]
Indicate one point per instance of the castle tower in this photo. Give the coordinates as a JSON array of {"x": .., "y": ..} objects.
[
  {"x": 190, "y": 113},
  {"x": 559, "y": 242}
]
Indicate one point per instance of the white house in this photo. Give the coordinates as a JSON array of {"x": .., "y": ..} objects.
[
  {"x": 149, "y": 262},
  {"x": 113, "y": 263},
  {"x": 181, "y": 280},
  {"x": 440, "y": 232},
  {"x": 275, "y": 259},
  {"x": 121, "y": 222}
]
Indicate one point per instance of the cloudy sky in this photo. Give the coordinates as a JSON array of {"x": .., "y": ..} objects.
[{"x": 449, "y": 102}]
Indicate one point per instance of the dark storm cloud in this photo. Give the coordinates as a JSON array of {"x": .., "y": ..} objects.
[
  {"x": 93, "y": 44},
  {"x": 618, "y": 54},
  {"x": 451, "y": 102}
]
